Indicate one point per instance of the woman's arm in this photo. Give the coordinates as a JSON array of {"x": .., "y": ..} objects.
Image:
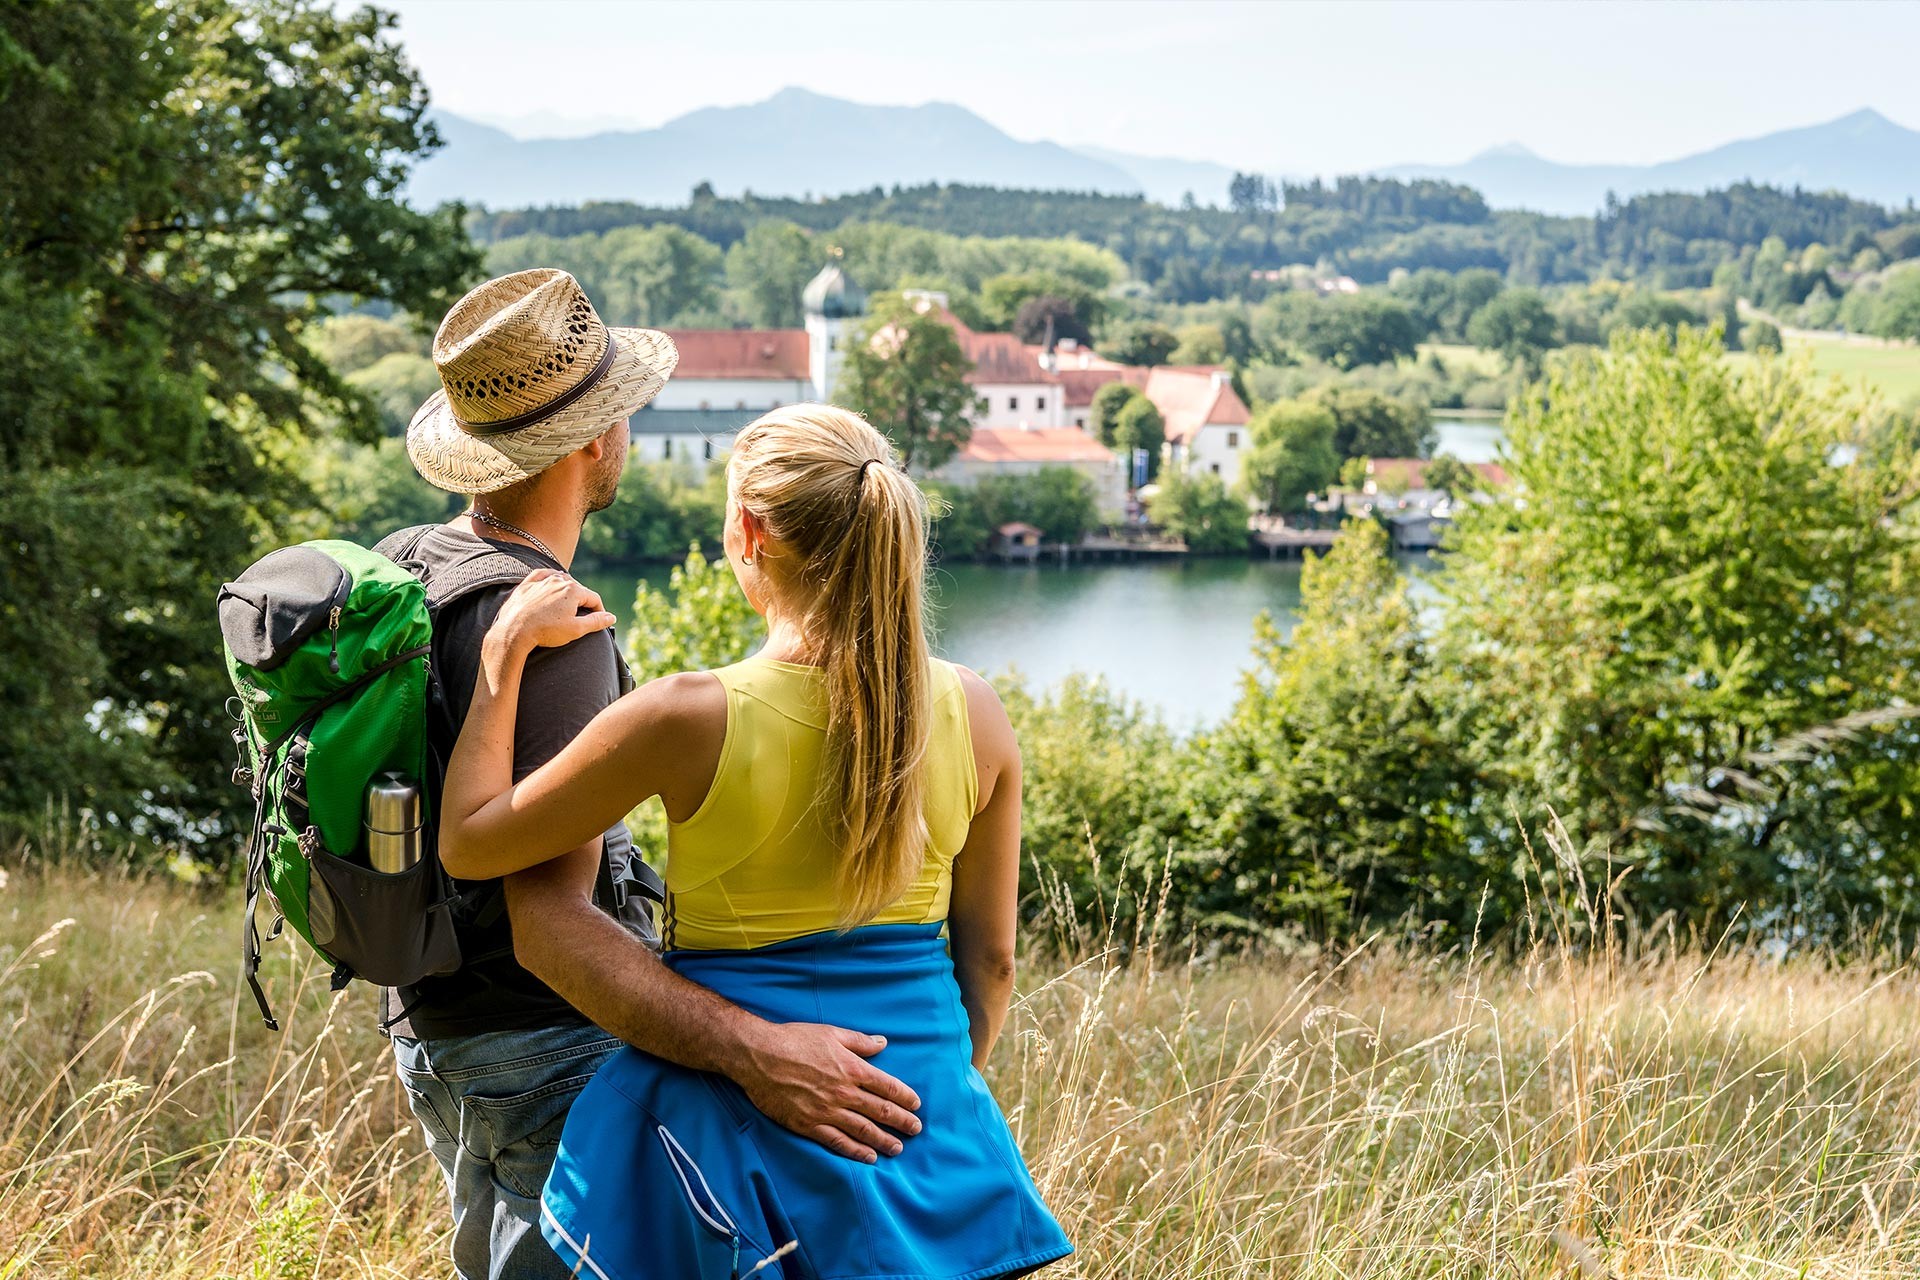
[
  {"x": 986, "y": 873},
  {"x": 640, "y": 746}
]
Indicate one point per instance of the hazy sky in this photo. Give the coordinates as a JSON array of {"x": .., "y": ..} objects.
[{"x": 1285, "y": 87}]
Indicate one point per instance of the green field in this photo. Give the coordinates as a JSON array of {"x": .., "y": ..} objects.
[{"x": 1893, "y": 371}]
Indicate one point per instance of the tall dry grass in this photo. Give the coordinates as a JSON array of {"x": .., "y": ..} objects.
[{"x": 1583, "y": 1108}]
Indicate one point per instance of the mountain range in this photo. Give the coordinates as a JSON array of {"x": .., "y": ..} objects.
[
  {"x": 798, "y": 143},
  {"x": 1863, "y": 154}
]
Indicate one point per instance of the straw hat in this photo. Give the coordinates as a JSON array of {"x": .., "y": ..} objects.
[{"x": 528, "y": 374}]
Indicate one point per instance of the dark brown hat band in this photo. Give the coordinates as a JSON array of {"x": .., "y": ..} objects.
[{"x": 552, "y": 406}]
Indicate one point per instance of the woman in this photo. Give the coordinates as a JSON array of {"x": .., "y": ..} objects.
[{"x": 833, "y": 801}]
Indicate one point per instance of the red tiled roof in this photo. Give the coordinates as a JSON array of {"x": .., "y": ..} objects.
[
  {"x": 1033, "y": 444},
  {"x": 1078, "y": 385},
  {"x": 1190, "y": 397},
  {"x": 1400, "y": 474},
  {"x": 741, "y": 353},
  {"x": 1001, "y": 357}
]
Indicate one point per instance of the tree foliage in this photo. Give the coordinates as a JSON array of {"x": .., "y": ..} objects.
[
  {"x": 1368, "y": 424},
  {"x": 905, "y": 373},
  {"x": 1690, "y": 669},
  {"x": 180, "y": 186},
  {"x": 1140, "y": 426},
  {"x": 1198, "y": 510},
  {"x": 1292, "y": 454}
]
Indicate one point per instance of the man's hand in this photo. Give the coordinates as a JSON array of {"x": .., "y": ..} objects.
[
  {"x": 816, "y": 1081},
  {"x": 812, "y": 1079}
]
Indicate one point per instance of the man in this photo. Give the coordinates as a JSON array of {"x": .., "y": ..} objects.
[{"x": 531, "y": 421}]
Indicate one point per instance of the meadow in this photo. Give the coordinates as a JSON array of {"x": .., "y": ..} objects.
[
  {"x": 1891, "y": 368},
  {"x": 1579, "y": 1104}
]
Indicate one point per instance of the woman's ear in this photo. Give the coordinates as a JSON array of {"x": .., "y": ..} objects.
[{"x": 753, "y": 534}]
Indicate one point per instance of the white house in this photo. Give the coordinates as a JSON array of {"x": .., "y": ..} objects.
[
  {"x": 1010, "y": 376},
  {"x": 1206, "y": 419}
]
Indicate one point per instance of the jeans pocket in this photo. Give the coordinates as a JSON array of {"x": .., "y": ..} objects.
[{"x": 522, "y": 1131}]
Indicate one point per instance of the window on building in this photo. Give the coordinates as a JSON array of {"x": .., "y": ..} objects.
[
  {"x": 1233, "y": 439},
  {"x": 1013, "y": 402},
  {"x": 666, "y": 448},
  {"x": 1216, "y": 468},
  {"x": 1039, "y": 402},
  {"x": 707, "y": 450}
]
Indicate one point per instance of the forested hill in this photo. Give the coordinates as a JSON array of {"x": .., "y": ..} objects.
[{"x": 1362, "y": 227}]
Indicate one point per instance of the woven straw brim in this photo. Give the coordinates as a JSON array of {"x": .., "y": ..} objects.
[{"x": 452, "y": 459}]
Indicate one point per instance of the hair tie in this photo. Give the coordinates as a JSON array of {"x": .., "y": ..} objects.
[{"x": 860, "y": 483}]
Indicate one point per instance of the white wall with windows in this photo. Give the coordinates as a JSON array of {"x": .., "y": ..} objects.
[{"x": 1036, "y": 404}]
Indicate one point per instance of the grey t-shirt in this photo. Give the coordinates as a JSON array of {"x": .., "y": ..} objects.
[{"x": 560, "y": 692}]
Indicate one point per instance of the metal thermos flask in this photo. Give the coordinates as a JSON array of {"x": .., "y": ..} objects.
[{"x": 393, "y": 822}]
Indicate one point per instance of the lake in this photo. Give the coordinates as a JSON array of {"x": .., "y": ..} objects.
[{"x": 1175, "y": 635}]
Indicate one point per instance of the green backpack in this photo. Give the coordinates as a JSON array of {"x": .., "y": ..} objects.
[{"x": 327, "y": 644}]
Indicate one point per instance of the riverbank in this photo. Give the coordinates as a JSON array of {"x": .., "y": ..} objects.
[{"x": 1371, "y": 1114}]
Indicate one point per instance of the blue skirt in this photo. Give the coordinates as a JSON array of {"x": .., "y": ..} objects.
[{"x": 670, "y": 1174}]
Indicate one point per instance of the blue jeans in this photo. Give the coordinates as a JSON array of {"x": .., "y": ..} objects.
[{"x": 492, "y": 1107}]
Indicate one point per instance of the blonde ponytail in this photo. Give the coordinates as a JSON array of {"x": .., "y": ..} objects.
[{"x": 824, "y": 483}]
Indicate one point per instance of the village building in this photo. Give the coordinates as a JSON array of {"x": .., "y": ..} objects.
[
  {"x": 1034, "y": 402},
  {"x": 1024, "y": 450}
]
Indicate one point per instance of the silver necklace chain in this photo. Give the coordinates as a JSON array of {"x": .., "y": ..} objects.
[{"x": 488, "y": 518}]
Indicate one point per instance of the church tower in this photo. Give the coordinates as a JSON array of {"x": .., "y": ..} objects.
[{"x": 830, "y": 300}]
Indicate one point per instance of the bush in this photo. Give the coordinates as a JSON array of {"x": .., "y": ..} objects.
[{"x": 1199, "y": 511}]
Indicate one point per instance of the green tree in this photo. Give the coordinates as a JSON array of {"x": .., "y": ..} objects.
[
  {"x": 1346, "y": 330},
  {"x": 1332, "y": 795},
  {"x": 1104, "y": 417},
  {"x": 1200, "y": 344},
  {"x": 398, "y": 384},
  {"x": 1003, "y": 299},
  {"x": 1685, "y": 625},
  {"x": 1896, "y": 314},
  {"x": 1368, "y": 424},
  {"x": 906, "y": 374},
  {"x": 363, "y": 492},
  {"x": 1292, "y": 454},
  {"x": 351, "y": 342},
  {"x": 180, "y": 186},
  {"x": 1516, "y": 324},
  {"x": 1059, "y": 501},
  {"x": 1141, "y": 344},
  {"x": 1100, "y": 777},
  {"x": 1140, "y": 426},
  {"x": 1761, "y": 336},
  {"x": 1452, "y": 477},
  {"x": 1198, "y": 510},
  {"x": 766, "y": 271},
  {"x": 960, "y": 527},
  {"x": 1050, "y": 318}
]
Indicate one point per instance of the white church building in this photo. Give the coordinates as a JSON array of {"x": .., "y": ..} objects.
[{"x": 1034, "y": 401}]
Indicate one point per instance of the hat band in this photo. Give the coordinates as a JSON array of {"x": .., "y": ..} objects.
[{"x": 552, "y": 406}]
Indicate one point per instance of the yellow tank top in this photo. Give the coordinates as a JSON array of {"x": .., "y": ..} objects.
[{"x": 755, "y": 863}]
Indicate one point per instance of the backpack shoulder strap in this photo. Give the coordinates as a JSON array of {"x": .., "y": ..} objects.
[{"x": 455, "y": 579}]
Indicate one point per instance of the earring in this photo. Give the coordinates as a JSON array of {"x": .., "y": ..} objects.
[{"x": 747, "y": 559}]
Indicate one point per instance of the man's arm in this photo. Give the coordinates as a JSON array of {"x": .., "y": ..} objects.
[{"x": 810, "y": 1078}]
